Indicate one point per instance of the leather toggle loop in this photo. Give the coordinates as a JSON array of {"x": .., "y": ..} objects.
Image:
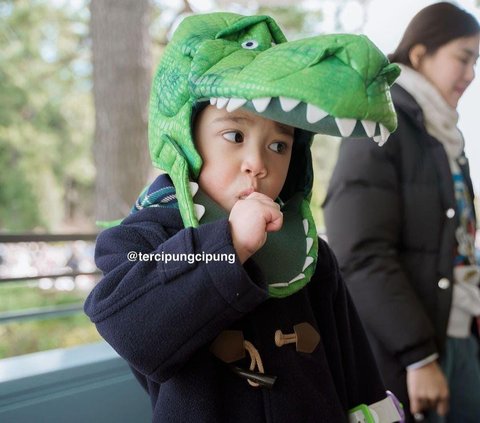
[
  {"x": 305, "y": 337},
  {"x": 230, "y": 346}
]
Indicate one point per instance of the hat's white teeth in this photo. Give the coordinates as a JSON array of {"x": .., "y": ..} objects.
[
  {"x": 288, "y": 104},
  {"x": 222, "y": 102},
  {"x": 309, "y": 244},
  {"x": 346, "y": 126},
  {"x": 296, "y": 278},
  {"x": 193, "y": 188},
  {"x": 384, "y": 134},
  {"x": 314, "y": 113},
  {"x": 377, "y": 139},
  {"x": 213, "y": 101},
  {"x": 305, "y": 226},
  {"x": 285, "y": 284},
  {"x": 308, "y": 262},
  {"x": 261, "y": 104},
  {"x": 199, "y": 210},
  {"x": 235, "y": 103},
  {"x": 369, "y": 127}
]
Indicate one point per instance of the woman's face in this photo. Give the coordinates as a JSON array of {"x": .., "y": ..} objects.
[{"x": 452, "y": 67}]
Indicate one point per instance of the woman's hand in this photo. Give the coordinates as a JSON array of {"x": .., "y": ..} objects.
[{"x": 427, "y": 389}]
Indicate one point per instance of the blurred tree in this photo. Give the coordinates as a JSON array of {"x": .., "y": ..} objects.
[
  {"x": 324, "y": 157},
  {"x": 121, "y": 87},
  {"x": 45, "y": 110}
]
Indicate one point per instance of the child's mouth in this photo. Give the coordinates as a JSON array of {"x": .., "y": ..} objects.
[{"x": 245, "y": 193}]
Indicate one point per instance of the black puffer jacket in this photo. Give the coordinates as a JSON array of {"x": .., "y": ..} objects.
[{"x": 390, "y": 217}]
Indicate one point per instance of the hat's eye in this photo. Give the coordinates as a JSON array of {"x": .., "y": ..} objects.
[{"x": 250, "y": 44}]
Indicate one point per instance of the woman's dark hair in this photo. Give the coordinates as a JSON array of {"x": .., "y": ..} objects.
[{"x": 434, "y": 26}]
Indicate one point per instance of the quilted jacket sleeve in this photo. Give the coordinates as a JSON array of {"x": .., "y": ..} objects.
[
  {"x": 363, "y": 214},
  {"x": 157, "y": 314}
]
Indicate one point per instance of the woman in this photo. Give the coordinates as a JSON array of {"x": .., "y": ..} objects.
[{"x": 400, "y": 219}]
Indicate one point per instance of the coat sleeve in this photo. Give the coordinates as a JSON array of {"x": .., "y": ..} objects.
[
  {"x": 363, "y": 215},
  {"x": 155, "y": 314}
]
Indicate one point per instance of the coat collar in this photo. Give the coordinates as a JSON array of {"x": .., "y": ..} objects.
[{"x": 405, "y": 101}]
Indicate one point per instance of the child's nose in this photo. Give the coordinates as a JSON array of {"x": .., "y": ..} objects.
[{"x": 254, "y": 164}]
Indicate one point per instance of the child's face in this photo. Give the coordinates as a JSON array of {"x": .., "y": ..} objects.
[{"x": 241, "y": 153}]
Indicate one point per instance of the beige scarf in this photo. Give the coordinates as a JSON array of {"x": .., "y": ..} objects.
[{"x": 440, "y": 118}]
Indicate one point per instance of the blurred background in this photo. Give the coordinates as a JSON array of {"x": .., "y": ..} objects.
[{"x": 74, "y": 87}]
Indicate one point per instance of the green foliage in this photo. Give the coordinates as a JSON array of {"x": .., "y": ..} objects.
[
  {"x": 31, "y": 336},
  {"x": 46, "y": 115},
  {"x": 24, "y": 337},
  {"x": 20, "y": 295}
]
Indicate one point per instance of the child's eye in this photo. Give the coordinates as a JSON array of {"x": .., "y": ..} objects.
[
  {"x": 278, "y": 147},
  {"x": 233, "y": 136}
]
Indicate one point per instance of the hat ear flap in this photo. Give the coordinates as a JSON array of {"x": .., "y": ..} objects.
[{"x": 179, "y": 174}]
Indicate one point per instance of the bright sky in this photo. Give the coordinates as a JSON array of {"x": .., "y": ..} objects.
[{"x": 385, "y": 23}]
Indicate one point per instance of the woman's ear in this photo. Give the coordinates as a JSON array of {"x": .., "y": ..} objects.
[{"x": 416, "y": 54}]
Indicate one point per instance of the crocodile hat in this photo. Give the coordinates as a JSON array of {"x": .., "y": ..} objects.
[{"x": 330, "y": 84}]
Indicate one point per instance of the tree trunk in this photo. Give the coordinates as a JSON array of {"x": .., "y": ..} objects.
[{"x": 121, "y": 86}]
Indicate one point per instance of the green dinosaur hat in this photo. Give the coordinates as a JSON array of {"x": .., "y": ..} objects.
[{"x": 331, "y": 84}]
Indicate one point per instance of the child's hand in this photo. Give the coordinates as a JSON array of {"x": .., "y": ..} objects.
[
  {"x": 427, "y": 388},
  {"x": 250, "y": 220}
]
